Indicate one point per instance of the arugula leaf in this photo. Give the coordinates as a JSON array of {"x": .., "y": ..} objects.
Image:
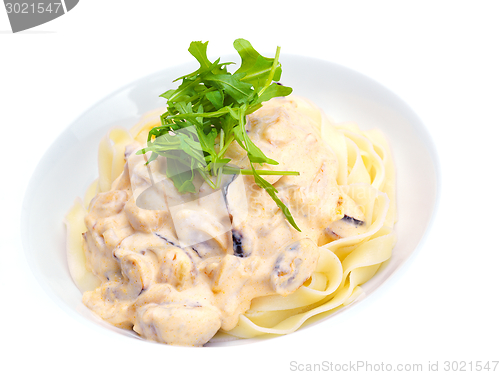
[
  {"x": 256, "y": 67},
  {"x": 211, "y": 104},
  {"x": 199, "y": 51},
  {"x": 272, "y": 191},
  {"x": 272, "y": 91},
  {"x": 232, "y": 85},
  {"x": 216, "y": 98}
]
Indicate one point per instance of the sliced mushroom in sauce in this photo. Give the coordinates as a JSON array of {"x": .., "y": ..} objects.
[{"x": 294, "y": 265}]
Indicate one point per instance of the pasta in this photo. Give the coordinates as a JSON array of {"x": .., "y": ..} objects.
[{"x": 365, "y": 174}]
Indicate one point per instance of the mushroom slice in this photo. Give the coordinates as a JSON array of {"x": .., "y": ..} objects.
[
  {"x": 242, "y": 245},
  {"x": 345, "y": 227},
  {"x": 138, "y": 271},
  {"x": 294, "y": 264},
  {"x": 243, "y": 236},
  {"x": 351, "y": 224}
]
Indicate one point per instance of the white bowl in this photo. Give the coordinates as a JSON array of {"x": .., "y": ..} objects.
[{"x": 70, "y": 165}]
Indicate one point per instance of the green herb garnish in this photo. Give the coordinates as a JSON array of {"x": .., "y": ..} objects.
[{"x": 211, "y": 105}]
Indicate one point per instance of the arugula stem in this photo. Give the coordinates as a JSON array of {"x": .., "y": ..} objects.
[
  {"x": 219, "y": 179},
  {"x": 226, "y": 146},
  {"x": 271, "y": 74},
  {"x": 263, "y": 172},
  {"x": 221, "y": 140},
  {"x": 207, "y": 178}
]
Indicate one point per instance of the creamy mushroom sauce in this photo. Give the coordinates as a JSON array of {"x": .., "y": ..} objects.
[{"x": 176, "y": 272}]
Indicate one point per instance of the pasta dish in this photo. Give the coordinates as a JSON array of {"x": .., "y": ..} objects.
[{"x": 225, "y": 263}]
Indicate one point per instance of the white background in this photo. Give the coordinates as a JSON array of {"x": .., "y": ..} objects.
[{"x": 441, "y": 57}]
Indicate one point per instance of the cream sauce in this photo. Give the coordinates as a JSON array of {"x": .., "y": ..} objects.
[{"x": 176, "y": 268}]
